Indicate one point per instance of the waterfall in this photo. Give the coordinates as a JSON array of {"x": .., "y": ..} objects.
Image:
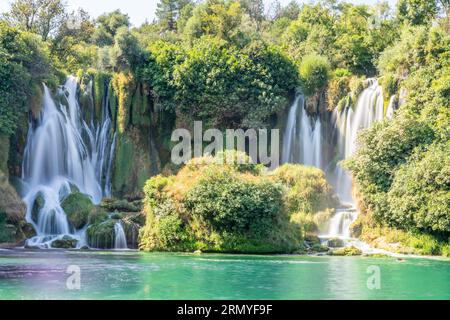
[
  {"x": 391, "y": 108},
  {"x": 63, "y": 153},
  {"x": 303, "y": 143},
  {"x": 120, "y": 240},
  {"x": 348, "y": 122},
  {"x": 302, "y": 136},
  {"x": 339, "y": 226}
]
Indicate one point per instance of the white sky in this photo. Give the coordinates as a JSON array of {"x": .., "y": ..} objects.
[{"x": 142, "y": 10}]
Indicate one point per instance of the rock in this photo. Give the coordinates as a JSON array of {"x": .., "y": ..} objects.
[
  {"x": 335, "y": 243},
  {"x": 97, "y": 215},
  {"x": 77, "y": 207},
  {"x": 198, "y": 251},
  {"x": 312, "y": 239},
  {"x": 356, "y": 228},
  {"x": 120, "y": 205},
  {"x": 38, "y": 204},
  {"x": 101, "y": 235},
  {"x": 66, "y": 242},
  {"x": 131, "y": 230},
  {"x": 28, "y": 230},
  {"x": 10, "y": 202},
  {"x": 117, "y": 215},
  {"x": 318, "y": 248},
  {"x": 347, "y": 251}
]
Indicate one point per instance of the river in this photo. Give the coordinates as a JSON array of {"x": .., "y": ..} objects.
[{"x": 43, "y": 274}]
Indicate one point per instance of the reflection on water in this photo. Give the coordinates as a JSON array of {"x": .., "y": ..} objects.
[{"x": 136, "y": 275}]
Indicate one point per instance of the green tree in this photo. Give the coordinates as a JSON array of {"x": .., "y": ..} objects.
[
  {"x": 314, "y": 73},
  {"x": 107, "y": 26},
  {"x": 39, "y": 16},
  {"x": 417, "y": 12},
  {"x": 168, "y": 12}
]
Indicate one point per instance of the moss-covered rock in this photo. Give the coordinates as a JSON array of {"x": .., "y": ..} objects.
[
  {"x": 97, "y": 215},
  {"x": 120, "y": 205},
  {"x": 101, "y": 235},
  {"x": 38, "y": 204},
  {"x": 10, "y": 202},
  {"x": 12, "y": 213},
  {"x": 347, "y": 251},
  {"x": 317, "y": 247},
  {"x": 66, "y": 242},
  {"x": 77, "y": 207},
  {"x": 335, "y": 243}
]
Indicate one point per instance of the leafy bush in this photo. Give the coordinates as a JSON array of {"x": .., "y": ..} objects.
[
  {"x": 225, "y": 86},
  {"x": 308, "y": 190},
  {"x": 229, "y": 207},
  {"x": 420, "y": 193},
  {"x": 314, "y": 73}
]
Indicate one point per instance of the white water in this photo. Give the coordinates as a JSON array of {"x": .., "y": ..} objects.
[
  {"x": 303, "y": 143},
  {"x": 62, "y": 153},
  {"x": 390, "y": 108},
  {"x": 120, "y": 240},
  {"x": 368, "y": 109},
  {"x": 302, "y": 137}
]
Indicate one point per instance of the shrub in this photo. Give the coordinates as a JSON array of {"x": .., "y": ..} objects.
[
  {"x": 314, "y": 73},
  {"x": 217, "y": 207}
]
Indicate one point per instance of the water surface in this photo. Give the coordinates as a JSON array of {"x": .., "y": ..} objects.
[{"x": 137, "y": 275}]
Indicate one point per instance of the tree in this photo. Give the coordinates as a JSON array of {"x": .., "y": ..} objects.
[
  {"x": 314, "y": 73},
  {"x": 107, "y": 26},
  {"x": 290, "y": 11},
  {"x": 216, "y": 18},
  {"x": 417, "y": 12},
  {"x": 168, "y": 12},
  {"x": 39, "y": 16},
  {"x": 255, "y": 9}
]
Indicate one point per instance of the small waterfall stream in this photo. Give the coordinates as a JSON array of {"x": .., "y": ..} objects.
[
  {"x": 120, "y": 240},
  {"x": 302, "y": 137},
  {"x": 63, "y": 153},
  {"x": 303, "y": 143}
]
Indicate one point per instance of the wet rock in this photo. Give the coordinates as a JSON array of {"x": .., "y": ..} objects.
[
  {"x": 121, "y": 205},
  {"x": 335, "y": 243},
  {"x": 347, "y": 251},
  {"x": 101, "y": 235},
  {"x": 38, "y": 204},
  {"x": 77, "y": 207},
  {"x": 66, "y": 242},
  {"x": 318, "y": 248}
]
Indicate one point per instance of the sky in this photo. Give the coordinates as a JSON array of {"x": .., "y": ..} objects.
[{"x": 140, "y": 11}]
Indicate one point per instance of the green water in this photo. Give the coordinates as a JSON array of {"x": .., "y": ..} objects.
[{"x": 137, "y": 275}]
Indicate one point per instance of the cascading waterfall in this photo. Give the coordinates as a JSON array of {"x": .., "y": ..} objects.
[
  {"x": 368, "y": 109},
  {"x": 64, "y": 153},
  {"x": 302, "y": 137},
  {"x": 120, "y": 240},
  {"x": 302, "y": 143}
]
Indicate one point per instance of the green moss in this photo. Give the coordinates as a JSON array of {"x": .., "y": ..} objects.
[
  {"x": 347, "y": 251},
  {"x": 120, "y": 205},
  {"x": 65, "y": 242},
  {"x": 77, "y": 207},
  {"x": 7, "y": 231},
  {"x": 101, "y": 235},
  {"x": 4, "y": 152},
  {"x": 97, "y": 215}
]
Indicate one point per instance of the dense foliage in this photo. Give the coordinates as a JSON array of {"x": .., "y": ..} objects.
[
  {"x": 230, "y": 207},
  {"x": 402, "y": 165},
  {"x": 231, "y": 63}
]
